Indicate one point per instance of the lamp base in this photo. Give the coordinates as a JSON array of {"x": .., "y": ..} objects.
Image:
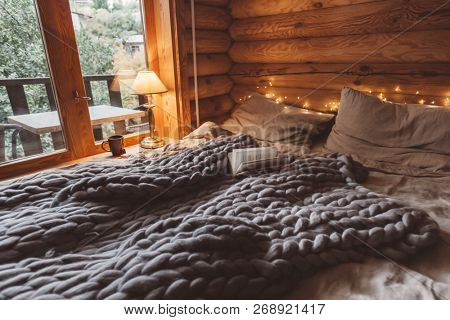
[{"x": 151, "y": 143}]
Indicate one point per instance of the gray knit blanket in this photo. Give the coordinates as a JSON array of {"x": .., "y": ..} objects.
[{"x": 179, "y": 227}]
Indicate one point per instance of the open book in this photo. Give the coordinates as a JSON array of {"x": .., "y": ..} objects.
[{"x": 253, "y": 158}]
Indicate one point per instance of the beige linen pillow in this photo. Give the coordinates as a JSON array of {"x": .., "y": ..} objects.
[{"x": 401, "y": 138}]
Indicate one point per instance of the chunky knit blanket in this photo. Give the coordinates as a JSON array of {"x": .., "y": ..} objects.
[{"x": 180, "y": 227}]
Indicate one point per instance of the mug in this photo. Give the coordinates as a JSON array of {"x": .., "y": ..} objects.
[{"x": 115, "y": 144}]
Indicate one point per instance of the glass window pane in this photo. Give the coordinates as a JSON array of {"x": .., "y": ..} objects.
[
  {"x": 29, "y": 122},
  {"x": 110, "y": 39}
]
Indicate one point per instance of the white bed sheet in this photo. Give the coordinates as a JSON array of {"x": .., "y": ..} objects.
[{"x": 426, "y": 276}]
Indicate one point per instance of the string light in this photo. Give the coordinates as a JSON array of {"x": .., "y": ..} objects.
[
  {"x": 417, "y": 92},
  {"x": 257, "y": 87},
  {"x": 397, "y": 89},
  {"x": 382, "y": 97},
  {"x": 421, "y": 101},
  {"x": 270, "y": 83}
]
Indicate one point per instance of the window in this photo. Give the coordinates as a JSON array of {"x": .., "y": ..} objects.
[
  {"x": 110, "y": 40},
  {"x": 29, "y": 121}
]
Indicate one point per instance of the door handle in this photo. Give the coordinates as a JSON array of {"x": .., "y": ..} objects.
[{"x": 79, "y": 98}]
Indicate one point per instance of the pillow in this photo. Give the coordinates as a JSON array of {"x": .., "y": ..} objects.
[
  {"x": 266, "y": 120},
  {"x": 408, "y": 139}
]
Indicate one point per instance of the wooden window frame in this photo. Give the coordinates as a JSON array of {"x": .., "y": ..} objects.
[{"x": 162, "y": 49}]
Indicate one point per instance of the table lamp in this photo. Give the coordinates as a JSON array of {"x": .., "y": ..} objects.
[{"x": 148, "y": 83}]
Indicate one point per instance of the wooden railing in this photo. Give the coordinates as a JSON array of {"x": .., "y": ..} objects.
[{"x": 32, "y": 142}]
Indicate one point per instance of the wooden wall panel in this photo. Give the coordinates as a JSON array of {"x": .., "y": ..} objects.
[
  {"x": 207, "y": 17},
  {"x": 365, "y": 18},
  {"x": 214, "y": 106},
  {"x": 211, "y": 86},
  {"x": 305, "y": 52},
  {"x": 213, "y": 63},
  {"x": 417, "y": 47},
  {"x": 209, "y": 41},
  {"x": 210, "y": 64},
  {"x": 214, "y": 3},
  {"x": 362, "y": 69},
  {"x": 256, "y": 8},
  {"x": 325, "y": 100},
  {"x": 429, "y": 85}
]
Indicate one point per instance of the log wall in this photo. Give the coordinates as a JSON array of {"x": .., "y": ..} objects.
[
  {"x": 304, "y": 52},
  {"x": 212, "y": 21}
]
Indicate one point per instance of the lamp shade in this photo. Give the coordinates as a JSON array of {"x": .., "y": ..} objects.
[{"x": 147, "y": 82}]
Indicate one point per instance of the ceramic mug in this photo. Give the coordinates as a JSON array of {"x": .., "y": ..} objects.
[{"x": 115, "y": 144}]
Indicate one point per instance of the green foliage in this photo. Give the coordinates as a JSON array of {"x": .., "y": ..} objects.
[
  {"x": 100, "y": 4},
  {"x": 100, "y": 45},
  {"x": 21, "y": 47},
  {"x": 96, "y": 56}
]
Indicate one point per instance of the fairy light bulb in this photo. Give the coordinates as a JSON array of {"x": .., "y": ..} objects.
[
  {"x": 397, "y": 89},
  {"x": 421, "y": 101},
  {"x": 270, "y": 83},
  {"x": 417, "y": 92}
]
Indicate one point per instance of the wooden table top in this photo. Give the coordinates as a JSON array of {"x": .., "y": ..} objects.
[{"x": 44, "y": 122}]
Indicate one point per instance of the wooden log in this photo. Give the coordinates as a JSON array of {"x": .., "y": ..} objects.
[
  {"x": 209, "y": 64},
  {"x": 207, "y": 17},
  {"x": 319, "y": 100},
  {"x": 212, "y": 107},
  {"x": 414, "y": 47},
  {"x": 324, "y": 100},
  {"x": 210, "y": 86},
  {"x": 215, "y": 3},
  {"x": 209, "y": 41},
  {"x": 255, "y": 8},
  {"x": 361, "y": 69},
  {"x": 365, "y": 18},
  {"x": 386, "y": 83}
]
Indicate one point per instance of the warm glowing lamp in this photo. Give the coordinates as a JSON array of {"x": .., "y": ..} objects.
[{"x": 148, "y": 83}]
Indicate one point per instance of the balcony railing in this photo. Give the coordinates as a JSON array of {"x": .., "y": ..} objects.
[{"x": 31, "y": 142}]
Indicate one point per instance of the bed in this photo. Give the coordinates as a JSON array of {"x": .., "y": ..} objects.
[{"x": 87, "y": 232}]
